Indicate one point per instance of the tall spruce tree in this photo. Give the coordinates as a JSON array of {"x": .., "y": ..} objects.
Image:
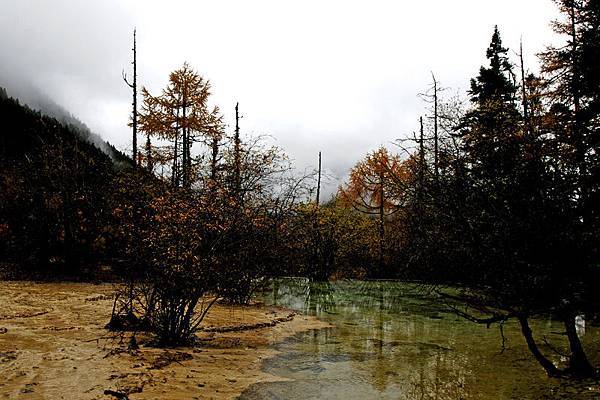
[
  {"x": 512, "y": 245},
  {"x": 489, "y": 128}
]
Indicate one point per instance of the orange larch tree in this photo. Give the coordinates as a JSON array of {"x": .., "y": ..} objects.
[
  {"x": 371, "y": 189},
  {"x": 181, "y": 115}
]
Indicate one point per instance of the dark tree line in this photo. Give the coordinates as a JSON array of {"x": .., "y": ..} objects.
[{"x": 512, "y": 215}]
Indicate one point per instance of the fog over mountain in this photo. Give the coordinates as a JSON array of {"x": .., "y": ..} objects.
[{"x": 36, "y": 100}]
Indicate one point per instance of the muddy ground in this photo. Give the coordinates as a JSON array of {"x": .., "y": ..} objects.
[{"x": 53, "y": 345}]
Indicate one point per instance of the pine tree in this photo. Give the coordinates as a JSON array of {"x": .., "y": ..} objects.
[
  {"x": 496, "y": 82},
  {"x": 489, "y": 128}
]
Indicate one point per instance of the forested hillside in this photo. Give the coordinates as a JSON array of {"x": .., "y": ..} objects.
[{"x": 53, "y": 192}]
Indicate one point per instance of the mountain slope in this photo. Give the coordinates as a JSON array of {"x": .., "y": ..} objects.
[
  {"x": 36, "y": 101},
  {"x": 54, "y": 191}
]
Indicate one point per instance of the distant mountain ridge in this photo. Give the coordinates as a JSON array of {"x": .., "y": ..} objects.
[{"x": 37, "y": 101}]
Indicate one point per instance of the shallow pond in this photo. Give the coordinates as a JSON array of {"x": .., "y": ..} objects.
[{"x": 393, "y": 340}]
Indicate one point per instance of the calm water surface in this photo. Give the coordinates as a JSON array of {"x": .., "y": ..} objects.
[{"x": 393, "y": 340}]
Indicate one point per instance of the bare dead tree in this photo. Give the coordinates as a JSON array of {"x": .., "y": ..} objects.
[
  {"x": 435, "y": 129},
  {"x": 133, "y": 86},
  {"x": 319, "y": 182},
  {"x": 524, "y": 87},
  {"x": 437, "y": 118},
  {"x": 149, "y": 160},
  {"x": 237, "y": 160},
  {"x": 421, "y": 163}
]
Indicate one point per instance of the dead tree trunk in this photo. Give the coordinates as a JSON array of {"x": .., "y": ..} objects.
[
  {"x": 149, "y": 161},
  {"x": 421, "y": 172},
  {"x": 214, "y": 158},
  {"x": 237, "y": 157},
  {"x": 381, "y": 219},
  {"x": 575, "y": 76},
  {"x": 175, "y": 174},
  {"x": 524, "y": 90},
  {"x": 318, "y": 269},
  {"x": 319, "y": 182},
  {"x": 184, "y": 142},
  {"x": 436, "y": 150},
  {"x": 421, "y": 160},
  {"x": 133, "y": 86}
]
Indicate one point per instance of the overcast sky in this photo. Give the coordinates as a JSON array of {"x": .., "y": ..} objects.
[{"x": 340, "y": 77}]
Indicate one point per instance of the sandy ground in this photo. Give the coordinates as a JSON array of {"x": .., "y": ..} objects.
[{"x": 53, "y": 346}]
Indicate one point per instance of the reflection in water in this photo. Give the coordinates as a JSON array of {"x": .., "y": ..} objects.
[
  {"x": 393, "y": 341},
  {"x": 580, "y": 325}
]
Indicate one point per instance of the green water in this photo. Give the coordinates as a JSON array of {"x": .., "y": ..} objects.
[{"x": 395, "y": 341}]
